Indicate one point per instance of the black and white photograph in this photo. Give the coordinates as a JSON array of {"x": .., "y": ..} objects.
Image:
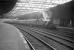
[{"x": 36, "y": 24}]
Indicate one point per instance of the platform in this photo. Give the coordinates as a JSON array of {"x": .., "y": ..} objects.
[{"x": 11, "y": 38}]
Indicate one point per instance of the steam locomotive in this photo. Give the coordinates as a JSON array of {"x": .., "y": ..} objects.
[{"x": 62, "y": 15}]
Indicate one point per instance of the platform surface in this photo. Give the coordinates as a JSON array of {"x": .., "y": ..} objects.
[{"x": 11, "y": 38}]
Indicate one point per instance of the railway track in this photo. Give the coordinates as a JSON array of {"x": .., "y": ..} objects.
[
  {"x": 61, "y": 39},
  {"x": 70, "y": 39},
  {"x": 36, "y": 43},
  {"x": 61, "y": 32},
  {"x": 47, "y": 39},
  {"x": 66, "y": 33}
]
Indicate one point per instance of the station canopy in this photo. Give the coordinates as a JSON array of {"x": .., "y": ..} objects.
[{"x": 26, "y": 6}]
